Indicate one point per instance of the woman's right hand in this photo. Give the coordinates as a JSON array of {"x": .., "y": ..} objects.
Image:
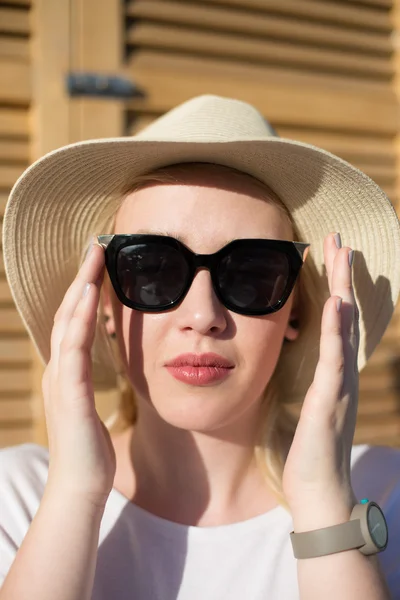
[{"x": 82, "y": 457}]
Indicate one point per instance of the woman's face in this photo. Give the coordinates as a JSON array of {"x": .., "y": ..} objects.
[{"x": 206, "y": 211}]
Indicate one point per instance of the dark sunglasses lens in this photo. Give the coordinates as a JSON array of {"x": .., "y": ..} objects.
[
  {"x": 151, "y": 274},
  {"x": 254, "y": 279}
]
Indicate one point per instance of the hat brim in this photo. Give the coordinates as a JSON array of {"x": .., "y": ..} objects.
[{"x": 56, "y": 206}]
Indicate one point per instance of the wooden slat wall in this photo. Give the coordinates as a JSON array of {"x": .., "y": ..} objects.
[
  {"x": 15, "y": 347},
  {"x": 321, "y": 72}
]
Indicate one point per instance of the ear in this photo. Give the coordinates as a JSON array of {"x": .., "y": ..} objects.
[
  {"x": 107, "y": 309},
  {"x": 292, "y": 328}
]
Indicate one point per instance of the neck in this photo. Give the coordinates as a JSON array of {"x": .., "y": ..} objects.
[{"x": 194, "y": 478}]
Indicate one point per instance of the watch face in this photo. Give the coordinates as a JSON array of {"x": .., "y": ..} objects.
[{"x": 377, "y": 526}]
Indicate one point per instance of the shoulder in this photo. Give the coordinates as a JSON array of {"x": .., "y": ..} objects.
[
  {"x": 376, "y": 475},
  {"x": 23, "y": 476},
  {"x": 26, "y": 462}
]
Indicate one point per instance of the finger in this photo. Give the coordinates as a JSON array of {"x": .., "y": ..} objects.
[
  {"x": 74, "y": 366},
  {"x": 342, "y": 285},
  {"x": 330, "y": 251},
  {"x": 91, "y": 270},
  {"x": 327, "y": 385}
]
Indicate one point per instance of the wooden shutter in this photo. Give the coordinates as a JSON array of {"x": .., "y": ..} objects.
[
  {"x": 15, "y": 347},
  {"x": 320, "y": 72}
]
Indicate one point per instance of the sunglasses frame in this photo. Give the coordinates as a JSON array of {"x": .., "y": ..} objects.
[{"x": 113, "y": 244}]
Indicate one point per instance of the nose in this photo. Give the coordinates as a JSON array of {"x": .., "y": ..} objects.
[{"x": 201, "y": 310}]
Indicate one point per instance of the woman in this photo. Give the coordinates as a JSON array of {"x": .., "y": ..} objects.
[{"x": 217, "y": 314}]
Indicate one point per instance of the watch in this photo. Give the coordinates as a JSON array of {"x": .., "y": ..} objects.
[{"x": 366, "y": 530}]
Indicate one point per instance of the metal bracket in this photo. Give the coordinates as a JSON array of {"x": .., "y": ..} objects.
[{"x": 104, "y": 86}]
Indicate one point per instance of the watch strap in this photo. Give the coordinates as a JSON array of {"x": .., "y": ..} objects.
[{"x": 328, "y": 540}]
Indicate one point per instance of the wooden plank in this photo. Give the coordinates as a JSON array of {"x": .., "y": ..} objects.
[
  {"x": 14, "y": 20},
  {"x": 93, "y": 118},
  {"x": 14, "y": 151},
  {"x": 240, "y": 48},
  {"x": 15, "y": 436},
  {"x": 387, "y": 405},
  {"x": 372, "y": 149},
  {"x": 383, "y": 355},
  {"x": 15, "y": 82},
  {"x": 18, "y": 380},
  {"x": 14, "y": 48},
  {"x": 376, "y": 381},
  {"x": 372, "y": 428},
  {"x": 15, "y": 350},
  {"x": 3, "y": 202},
  {"x": 380, "y": 173},
  {"x": 169, "y": 80},
  {"x": 377, "y": 3},
  {"x": 225, "y": 19},
  {"x": 391, "y": 192},
  {"x": 14, "y": 122},
  {"x": 139, "y": 121},
  {"x": 15, "y": 409},
  {"x": 9, "y": 175},
  {"x": 25, "y": 3},
  {"x": 384, "y": 440},
  {"x": 326, "y": 11},
  {"x": 391, "y": 336},
  {"x": 50, "y": 62},
  {"x": 10, "y": 321},
  {"x": 5, "y": 293},
  {"x": 252, "y": 71}
]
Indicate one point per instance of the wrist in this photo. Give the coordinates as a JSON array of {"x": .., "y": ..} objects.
[
  {"x": 73, "y": 502},
  {"x": 323, "y": 512}
]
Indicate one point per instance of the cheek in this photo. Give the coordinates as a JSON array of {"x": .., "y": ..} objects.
[
  {"x": 142, "y": 335},
  {"x": 259, "y": 343},
  {"x": 262, "y": 342}
]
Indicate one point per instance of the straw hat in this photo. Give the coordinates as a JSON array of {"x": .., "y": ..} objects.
[{"x": 55, "y": 207}]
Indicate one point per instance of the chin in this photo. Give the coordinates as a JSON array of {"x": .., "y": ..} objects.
[
  {"x": 197, "y": 408},
  {"x": 202, "y": 411}
]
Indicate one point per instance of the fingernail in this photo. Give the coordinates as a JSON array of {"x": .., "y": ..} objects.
[
  {"x": 86, "y": 290},
  {"x": 338, "y": 304},
  {"x": 338, "y": 240},
  {"x": 351, "y": 257}
]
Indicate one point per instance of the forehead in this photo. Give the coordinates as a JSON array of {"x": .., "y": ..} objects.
[{"x": 213, "y": 206}]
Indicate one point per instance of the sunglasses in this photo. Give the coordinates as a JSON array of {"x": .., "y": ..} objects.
[{"x": 153, "y": 273}]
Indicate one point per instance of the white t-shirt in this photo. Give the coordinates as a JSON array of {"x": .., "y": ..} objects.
[{"x": 144, "y": 557}]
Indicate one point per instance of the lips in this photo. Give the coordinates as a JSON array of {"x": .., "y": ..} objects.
[
  {"x": 200, "y": 369},
  {"x": 200, "y": 360}
]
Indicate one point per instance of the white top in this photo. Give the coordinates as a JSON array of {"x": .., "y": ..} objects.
[{"x": 144, "y": 557}]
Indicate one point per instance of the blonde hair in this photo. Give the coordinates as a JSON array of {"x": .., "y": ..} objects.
[{"x": 278, "y": 423}]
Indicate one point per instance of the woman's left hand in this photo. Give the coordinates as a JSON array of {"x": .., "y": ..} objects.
[{"x": 317, "y": 479}]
